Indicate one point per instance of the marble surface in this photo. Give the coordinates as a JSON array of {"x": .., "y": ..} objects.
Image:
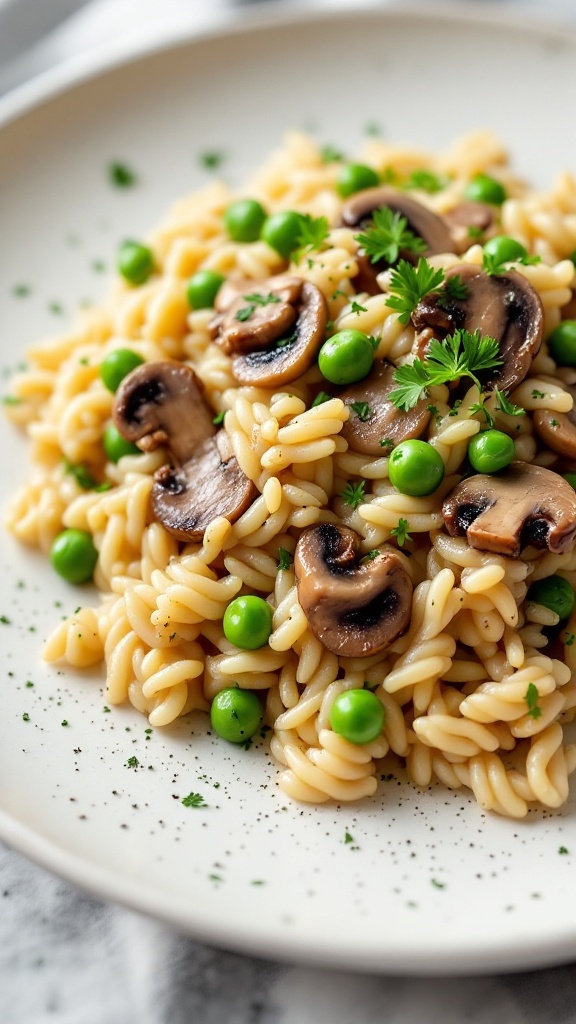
[{"x": 66, "y": 958}]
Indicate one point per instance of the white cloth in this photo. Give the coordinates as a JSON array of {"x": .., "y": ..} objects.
[{"x": 68, "y": 959}]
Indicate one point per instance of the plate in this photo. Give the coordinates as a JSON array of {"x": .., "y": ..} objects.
[{"x": 410, "y": 881}]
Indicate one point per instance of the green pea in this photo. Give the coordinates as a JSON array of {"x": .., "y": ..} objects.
[
  {"x": 244, "y": 219},
  {"x": 355, "y": 177},
  {"x": 562, "y": 343},
  {"x": 117, "y": 365},
  {"x": 203, "y": 287},
  {"x": 248, "y": 622},
  {"x": 282, "y": 231},
  {"x": 490, "y": 451},
  {"x": 135, "y": 262},
  {"x": 555, "y": 593},
  {"x": 346, "y": 357},
  {"x": 415, "y": 468},
  {"x": 357, "y": 716},
  {"x": 484, "y": 189},
  {"x": 571, "y": 479},
  {"x": 74, "y": 556},
  {"x": 236, "y": 714},
  {"x": 504, "y": 249},
  {"x": 117, "y": 446}
]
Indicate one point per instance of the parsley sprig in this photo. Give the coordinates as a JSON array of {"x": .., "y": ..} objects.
[
  {"x": 353, "y": 494},
  {"x": 461, "y": 354},
  {"x": 401, "y": 533},
  {"x": 409, "y": 284},
  {"x": 313, "y": 234},
  {"x": 388, "y": 236},
  {"x": 255, "y": 299}
]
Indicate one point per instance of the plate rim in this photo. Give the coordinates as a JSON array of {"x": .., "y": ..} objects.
[{"x": 101, "y": 882}]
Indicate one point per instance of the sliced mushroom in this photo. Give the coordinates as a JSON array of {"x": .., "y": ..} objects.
[
  {"x": 382, "y": 421},
  {"x": 162, "y": 403},
  {"x": 469, "y": 221},
  {"x": 355, "y": 610},
  {"x": 558, "y": 429},
  {"x": 504, "y": 513},
  {"x": 285, "y": 357},
  {"x": 423, "y": 222},
  {"x": 210, "y": 484},
  {"x": 502, "y": 306},
  {"x": 252, "y": 317}
]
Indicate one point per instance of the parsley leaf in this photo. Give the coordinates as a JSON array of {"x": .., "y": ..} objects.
[
  {"x": 481, "y": 407},
  {"x": 409, "y": 284},
  {"x": 508, "y": 407},
  {"x": 219, "y": 418},
  {"x": 461, "y": 354},
  {"x": 255, "y": 299},
  {"x": 321, "y": 397},
  {"x": 82, "y": 476},
  {"x": 531, "y": 697},
  {"x": 362, "y": 410},
  {"x": 388, "y": 236},
  {"x": 194, "y": 800},
  {"x": 401, "y": 532},
  {"x": 311, "y": 237},
  {"x": 426, "y": 180},
  {"x": 353, "y": 494},
  {"x": 355, "y": 307},
  {"x": 285, "y": 559},
  {"x": 454, "y": 289},
  {"x": 121, "y": 176}
]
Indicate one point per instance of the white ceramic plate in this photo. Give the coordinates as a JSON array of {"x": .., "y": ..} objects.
[{"x": 429, "y": 883}]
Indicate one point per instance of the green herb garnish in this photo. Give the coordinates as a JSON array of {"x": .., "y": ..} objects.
[
  {"x": 194, "y": 800},
  {"x": 426, "y": 180},
  {"x": 121, "y": 176},
  {"x": 311, "y": 237},
  {"x": 401, "y": 532},
  {"x": 409, "y": 285},
  {"x": 531, "y": 697},
  {"x": 459, "y": 355},
  {"x": 388, "y": 236},
  {"x": 362, "y": 410},
  {"x": 321, "y": 397},
  {"x": 353, "y": 494},
  {"x": 82, "y": 476},
  {"x": 329, "y": 154},
  {"x": 508, "y": 407},
  {"x": 285, "y": 559}
]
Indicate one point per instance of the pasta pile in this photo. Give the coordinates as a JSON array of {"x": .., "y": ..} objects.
[{"x": 453, "y": 685}]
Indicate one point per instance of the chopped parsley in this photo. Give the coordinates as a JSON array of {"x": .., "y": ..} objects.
[
  {"x": 386, "y": 442},
  {"x": 321, "y": 397},
  {"x": 21, "y": 291},
  {"x": 531, "y": 697},
  {"x": 132, "y": 762},
  {"x": 461, "y": 354},
  {"x": 563, "y": 849},
  {"x": 211, "y": 160},
  {"x": 194, "y": 800},
  {"x": 348, "y": 838},
  {"x": 121, "y": 176},
  {"x": 409, "y": 285},
  {"x": 11, "y": 400},
  {"x": 481, "y": 407},
  {"x": 285, "y": 559},
  {"x": 388, "y": 236},
  {"x": 454, "y": 290},
  {"x": 219, "y": 418},
  {"x": 353, "y": 494},
  {"x": 508, "y": 407},
  {"x": 254, "y": 300},
  {"x": 426, "y": 180},
  {"x": 401, "y": 533},
  {"x": 311, "y": 237},
  {"x": 362, "y": 410},
  {"x": 329, "y": 154},
  {"x": 538, "y": 394},
  {"x": 355, "y": 307},
  {"x": 494, "y": 266},
  {"x": 82, "y": 476},
  {"x": 570, "y": 638}
]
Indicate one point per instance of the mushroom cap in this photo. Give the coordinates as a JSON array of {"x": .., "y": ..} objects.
[
  {"x": 385, "y": 421},
  {"x": 479, "y": 216},
  {"x": 431, "y": 228},
  {"x": 354, "y": 610},
  {"x": 279, "y": 364},
  {"x": 558, "y": 429},
  {"x": 162, "y": 403},
  {"x": 501, "y": 306},
  {"x": 269, "y": 319},
  {"x": 505, "y": 512},
  {"x": 210, "y": 484}
]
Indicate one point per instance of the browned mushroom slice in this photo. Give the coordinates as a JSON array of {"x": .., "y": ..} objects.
[
  {"x": 210, "y": 484},
  {"x": 375, "y": 418},
  {"x": 468, "y": 222},
  {"x": 253, "y": 316},
  {"x": 162, "y": 403},
  {"x": 286, "y": 358},
  {"x": 427, "y": 225},
  {"x": 524, "y": 505},
  {"x": 354, "y": 610},
  {"x": 501, "y": 306},
  {"x": 558, "y": 429}
]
